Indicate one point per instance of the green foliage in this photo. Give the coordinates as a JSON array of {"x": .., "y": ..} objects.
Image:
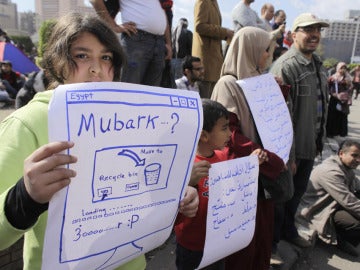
[
  {"x": 25, "y": 41},
  {"x": 320, "y": 50},
  {"x": 44, "y": 34},
  {"x": 330, "y": 62},
  {"x": 352, "y": 66}
]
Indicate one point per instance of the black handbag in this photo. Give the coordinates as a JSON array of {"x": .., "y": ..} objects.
[{"x": 112, "y": 7}]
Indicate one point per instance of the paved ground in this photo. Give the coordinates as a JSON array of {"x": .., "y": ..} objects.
[{"x": 320, "y": 257}]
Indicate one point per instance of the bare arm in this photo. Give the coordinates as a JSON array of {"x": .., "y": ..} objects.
[{"x": 100, "y": 8}]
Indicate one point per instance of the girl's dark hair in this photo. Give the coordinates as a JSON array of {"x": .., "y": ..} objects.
[
  {"x": 212, "y": 111},
  {"x": 57, "y": 59}
]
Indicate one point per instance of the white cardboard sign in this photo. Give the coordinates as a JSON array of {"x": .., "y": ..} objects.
[
  {"x": 270, "y": 113},
  {"x": 135, "y": 146}
]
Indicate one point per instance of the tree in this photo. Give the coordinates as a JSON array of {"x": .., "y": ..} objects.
[
  {"x": 23, "y": 42},
  {"x": 330, "y": 62},
  {"x": 44, "y": 34}
]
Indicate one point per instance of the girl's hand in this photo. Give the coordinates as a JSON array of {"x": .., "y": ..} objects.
[
  {"x": 262, "y": 155},
  {"x": 43, "y": 171},
  {"x": 278, "y": 80}
]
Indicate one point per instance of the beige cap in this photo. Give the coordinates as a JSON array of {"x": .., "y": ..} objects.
[{"x": 306, "y": 19}]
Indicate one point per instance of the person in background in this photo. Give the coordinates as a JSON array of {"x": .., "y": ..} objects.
[
  {"x": 247, "y": 57},
  {"x": 167, "y": 78},
  {"x": 279, "y": 51},
  {"x": 288, "y": 40},
  {"x": 330, "y": 207},
  {"x": 355, "y": 73},
  {"x": 207, "y": 38},
  {"x": 267, "y": 14},
  {"x": 11, "y": 81},
  {"x": 80, "y": 49},
  {"x": 279, "y": 22},
  {"x": 182, "y": 39},
  {"x": 243, "y": 15},
  {"x": 145, "y": 37},
  {"x": 193, "y": 72},
  {"x": 340, "y": 90},
  {"x": 302, "y": 69},
  {"x": 37, "y": 82},
  {"x": 4, "y": 37}
]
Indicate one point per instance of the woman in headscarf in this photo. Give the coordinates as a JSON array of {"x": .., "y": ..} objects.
[
  {"x": 247, "y": 57},
  {"x": 340, "y": 86}
]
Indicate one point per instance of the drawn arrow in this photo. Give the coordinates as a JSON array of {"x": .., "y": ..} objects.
[{"x": 133, "y": 156}]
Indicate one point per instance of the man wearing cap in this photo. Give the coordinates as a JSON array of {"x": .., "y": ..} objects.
[{"x": 302, "y": 69}]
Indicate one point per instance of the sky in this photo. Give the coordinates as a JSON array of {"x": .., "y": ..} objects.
[{"x": 325, "y": 9}]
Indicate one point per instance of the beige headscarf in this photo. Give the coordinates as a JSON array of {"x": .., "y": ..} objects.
[
  {"x": 245, "y": 51},
  {"x": 241, "y": 61}
]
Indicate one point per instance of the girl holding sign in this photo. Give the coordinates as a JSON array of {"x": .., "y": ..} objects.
[
  {"x": 80, "y": 49},
  {"x": 247, "y": 57}
]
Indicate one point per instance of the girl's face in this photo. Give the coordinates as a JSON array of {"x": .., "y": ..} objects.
[
  {"x": 93, "y": 60},
  {"x": 263, "y": 60}
]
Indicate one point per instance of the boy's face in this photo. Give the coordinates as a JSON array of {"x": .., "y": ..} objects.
[
  {"x": 219, "y": 136},
  {"x": 93, "y": 60}
]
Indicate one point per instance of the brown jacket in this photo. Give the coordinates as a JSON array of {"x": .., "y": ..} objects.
[{"x": 207, "y": 37}]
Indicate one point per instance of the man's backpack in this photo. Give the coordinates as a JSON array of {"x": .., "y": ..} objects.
[{"x": 112, "y": 7}]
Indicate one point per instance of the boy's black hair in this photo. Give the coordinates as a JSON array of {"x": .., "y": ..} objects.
[
  {"x": 187, "y": 63},
  {"x": 345, "y": 145},
  {"x": 212, "y": 111}
]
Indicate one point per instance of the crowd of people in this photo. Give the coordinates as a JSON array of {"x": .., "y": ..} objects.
[{"x": 144, "y": 50}]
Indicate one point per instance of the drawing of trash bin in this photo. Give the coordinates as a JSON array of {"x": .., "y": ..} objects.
[{"x": 152, "y": 173}]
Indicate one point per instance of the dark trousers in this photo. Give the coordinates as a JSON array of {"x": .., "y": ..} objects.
[
  {"x": 284, "y": 214},
  {"x": 347, "y": 227},
  {"x": 206, "y": 88},
  {"x": 256, "y": 256},
  {"x": 189, "y": 260}
]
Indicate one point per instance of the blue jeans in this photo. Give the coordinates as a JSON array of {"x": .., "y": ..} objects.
[
  {"x": 145, "y": 58},
  {"x": 176, "y": 65},
  {"x": 11, "y": 90},
  {"x": 4, "y": 97}
]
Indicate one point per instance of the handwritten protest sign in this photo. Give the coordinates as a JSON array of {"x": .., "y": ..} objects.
[
  {"x": 231, "y": 208},
  {"x": 270, "y": 113},
  {"x": 135, "y": 147}
]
